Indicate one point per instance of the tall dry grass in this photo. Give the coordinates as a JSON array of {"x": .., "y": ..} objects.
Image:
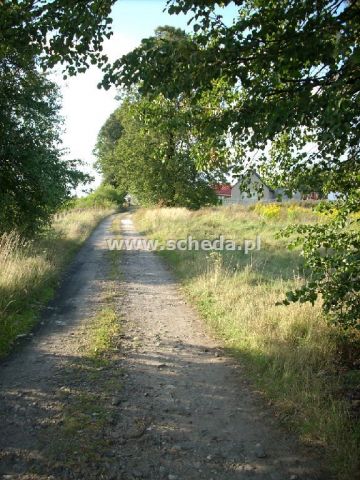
[
  {"x": 29, "y": 270},
  {"x": 291, "y": 352}
]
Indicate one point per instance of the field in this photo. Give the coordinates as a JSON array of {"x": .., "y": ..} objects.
[
  {"x": 30, "y": 269},
  {"x": 292, "y": 354}
]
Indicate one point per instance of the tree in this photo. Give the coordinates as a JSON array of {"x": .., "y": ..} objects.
[
  {"x": 146, "y": 148},
  {"x": 293, "y": 72},
  {"x": 34, "y": 180},
  {"x": 295, "y": 66},
  {"x": 159, "y": 147},
  {"x": 105, "y": 149}
]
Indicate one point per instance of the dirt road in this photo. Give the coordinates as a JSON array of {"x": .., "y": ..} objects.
[{"x": 168, "y": 404}]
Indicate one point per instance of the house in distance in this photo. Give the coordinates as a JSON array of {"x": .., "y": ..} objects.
[{"x": 233, "y": 194}]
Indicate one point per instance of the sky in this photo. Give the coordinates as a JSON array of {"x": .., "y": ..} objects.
[{"x": 85, "y": 107}]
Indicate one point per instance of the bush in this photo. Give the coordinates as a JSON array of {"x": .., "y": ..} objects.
[{"x": 105, "y": 196}]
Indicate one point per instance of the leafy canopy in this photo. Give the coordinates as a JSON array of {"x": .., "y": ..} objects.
[
  {"x": 57, "y": 31},
  {"x": 294, "y": 67},
  {"x": 147, "y": 149}
]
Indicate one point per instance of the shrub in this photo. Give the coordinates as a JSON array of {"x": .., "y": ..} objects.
[{"x": 105, "y": 196}]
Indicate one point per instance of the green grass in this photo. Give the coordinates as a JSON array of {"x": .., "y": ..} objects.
[
  {"x": 78, "y": 438},
  {"x": 104, "y": 328},
  {"x": 291, "y": 353},
  {"x": 30, "y": 270},
  {"x": 87, "y": 409}
]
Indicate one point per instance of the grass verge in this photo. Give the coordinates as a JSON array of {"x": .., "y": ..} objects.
[
  {"x": 30, "y": 270},
  {"x": 291, "y": 353}
]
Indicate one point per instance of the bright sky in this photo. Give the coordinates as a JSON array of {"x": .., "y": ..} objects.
[{"x": 85, "y": 107}]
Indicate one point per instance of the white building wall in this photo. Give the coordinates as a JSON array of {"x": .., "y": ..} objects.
[
  {"x": 280, "y": 192},
  {"x": 237, "y": 196}
]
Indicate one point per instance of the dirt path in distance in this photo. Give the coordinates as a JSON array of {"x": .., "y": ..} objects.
[{"x": 184, "y": 410}]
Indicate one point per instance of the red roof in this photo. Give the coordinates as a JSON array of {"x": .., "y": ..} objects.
[{"x": 223, "y": 190}]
